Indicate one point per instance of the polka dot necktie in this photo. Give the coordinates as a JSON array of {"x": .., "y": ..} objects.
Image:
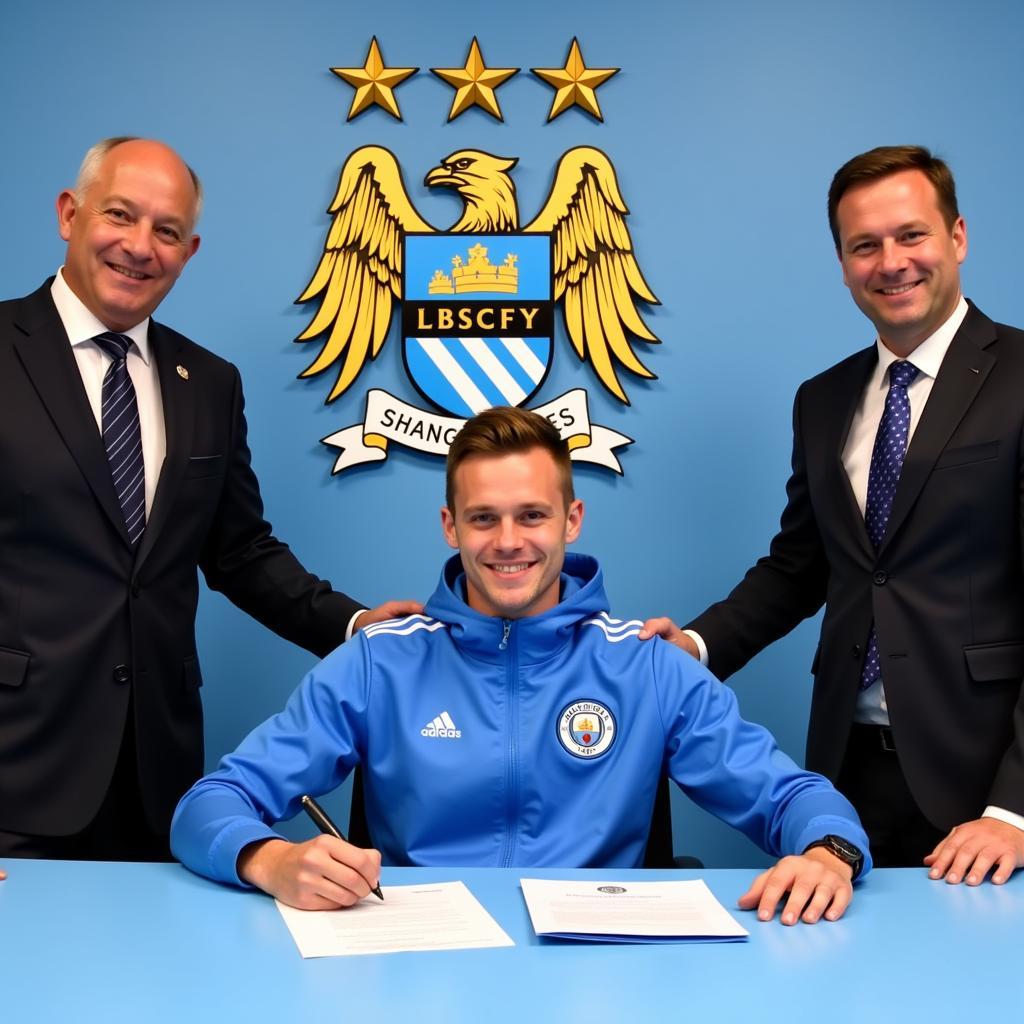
[
  {"x": 886, "y": 465},
  {"x": 122, "y": 436}
]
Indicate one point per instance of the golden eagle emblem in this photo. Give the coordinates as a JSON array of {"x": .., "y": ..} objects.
[{"x": 595, "y": 273}]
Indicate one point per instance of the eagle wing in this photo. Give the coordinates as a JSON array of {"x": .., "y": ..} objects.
[
  {"x": 595, "y": 270},
  {"x": 359, "y": 274}
]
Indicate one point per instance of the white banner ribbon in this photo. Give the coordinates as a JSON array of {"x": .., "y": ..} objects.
[{"x": 390, "y": 419}]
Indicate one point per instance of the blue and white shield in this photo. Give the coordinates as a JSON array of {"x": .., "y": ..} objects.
[{"x": 477, "y": 318}]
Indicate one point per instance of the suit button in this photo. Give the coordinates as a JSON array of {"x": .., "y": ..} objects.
[
  {"x": 880, "y": 577},
  {"x": 136, "y": 590},
  {"x": 121, "y": 674},
  {"x": 856, "y": 650}
]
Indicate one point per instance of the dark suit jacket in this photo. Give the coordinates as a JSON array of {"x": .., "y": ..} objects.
[
  {"x": 946, "y": 588},
  {"x": 85, "y": 622}
]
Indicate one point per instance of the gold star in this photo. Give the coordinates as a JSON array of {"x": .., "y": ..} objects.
[
  {"x": 575, "y": 84},
  {"x": 374, "y": 83},
  {"x": 475, "y": 83}
]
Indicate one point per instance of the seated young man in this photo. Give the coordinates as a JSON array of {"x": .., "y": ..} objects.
[{"x": 515, "y": 723}]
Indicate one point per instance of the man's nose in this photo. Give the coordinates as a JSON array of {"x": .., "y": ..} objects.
[
  {"x": 138, "y": 240},
  {"x": 893, "y": 259},
  {"x": 509, "y": 536}
]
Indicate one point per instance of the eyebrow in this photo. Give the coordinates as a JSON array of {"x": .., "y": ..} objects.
[
  {"x": 540, "y": 506},
  {"x": 901, "y": 228},
  {"x": 119, "y": 200}
]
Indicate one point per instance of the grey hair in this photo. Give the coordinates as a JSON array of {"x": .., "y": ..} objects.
[{"x": 90, "y": 169}]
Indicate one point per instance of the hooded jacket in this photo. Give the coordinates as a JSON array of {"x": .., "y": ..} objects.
[{"x": 537, "y": 741}]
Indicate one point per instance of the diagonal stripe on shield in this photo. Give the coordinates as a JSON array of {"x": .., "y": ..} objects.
[{"x": 477, "y": 329}]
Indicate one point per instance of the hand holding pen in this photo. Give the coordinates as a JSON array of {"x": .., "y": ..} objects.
[
  {"x": 324, "y": 823},
  {"x": 325, "y": 873}
]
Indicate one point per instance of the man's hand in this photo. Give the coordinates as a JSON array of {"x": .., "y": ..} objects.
[
  {"x": 668, "y": 630},
  {"x": 817, "y": 883},
  {"x": 322, "y": 874},
  {"x": 971, "y": 849},
  {"x": 3, "y": 874},
  {"x": 388, "y": 610}
]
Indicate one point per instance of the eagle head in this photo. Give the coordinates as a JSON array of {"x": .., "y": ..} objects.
[{"x": 482, "y": 181}]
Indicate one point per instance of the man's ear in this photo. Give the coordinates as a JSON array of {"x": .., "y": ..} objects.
[
  {"x": 448, "y": 527},
  {"x": 573, "y": 521},
  {"x": 66, "y": 209},
  {"x": 960, "y": 239},
  {"x": 842, "y": 266}
]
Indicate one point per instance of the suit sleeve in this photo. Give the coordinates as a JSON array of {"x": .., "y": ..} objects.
[
  {"x": 734, "y": 769},
  {"x": 1007, "y": 789},
  {"x": 782, "y": 589},
  {"x": 242, "y": 558},
  {"x": 309, "y": 747}
]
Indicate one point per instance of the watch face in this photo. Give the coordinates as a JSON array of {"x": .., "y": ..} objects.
[
  {"x": 845, "y": 851},
  {"x": 843, "y": 848}
]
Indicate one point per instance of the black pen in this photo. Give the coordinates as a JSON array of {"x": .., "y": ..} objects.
[{"x": 322, "y": 822}]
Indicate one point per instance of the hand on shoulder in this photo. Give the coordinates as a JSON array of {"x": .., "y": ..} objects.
[
  {"x": 388, "y": 610},
  {"x": 664, "y": 627}
]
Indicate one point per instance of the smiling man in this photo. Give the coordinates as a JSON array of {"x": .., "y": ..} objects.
[
  {"x": 905, "y": 520},
  {"x": 125, "y": 470},
  {"x": 515, "y": 723},
  {"x": 129, "y": 228}
]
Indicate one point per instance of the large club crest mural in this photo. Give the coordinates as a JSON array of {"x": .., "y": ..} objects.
[{"x": 477, "y": 301}]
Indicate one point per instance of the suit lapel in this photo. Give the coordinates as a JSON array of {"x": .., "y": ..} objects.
[
  {"x": 963, "y": 371},
  {"x": 849, "y": 391},
  {"x": 177, "y": 394},
  {"x": 45, "y": 352}
]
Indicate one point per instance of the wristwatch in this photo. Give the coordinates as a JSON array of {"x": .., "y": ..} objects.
[{"x": 844, "y": 850}]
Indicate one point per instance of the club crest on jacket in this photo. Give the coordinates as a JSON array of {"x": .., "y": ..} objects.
[{"x": 586, "y": 729}]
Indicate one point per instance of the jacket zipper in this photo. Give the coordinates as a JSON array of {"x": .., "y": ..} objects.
[{"x": 511, "y": 767}]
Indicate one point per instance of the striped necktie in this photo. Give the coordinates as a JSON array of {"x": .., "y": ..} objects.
[
  {"x": 122, "y": 436},
  {"x": 883, "y": 476}
]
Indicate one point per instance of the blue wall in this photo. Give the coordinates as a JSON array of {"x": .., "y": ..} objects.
[{"x": 725, "y": 125}]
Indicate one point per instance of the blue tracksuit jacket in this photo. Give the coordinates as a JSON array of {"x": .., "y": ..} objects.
[{"x": 488, "y": 742}]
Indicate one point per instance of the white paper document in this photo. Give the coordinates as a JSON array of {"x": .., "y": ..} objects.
[
  {"x": 628, "y": 911},
  {"x": 438, "y": 915}
]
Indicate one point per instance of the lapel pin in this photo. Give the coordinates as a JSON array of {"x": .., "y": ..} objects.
[{"x": 182, "y": 372}]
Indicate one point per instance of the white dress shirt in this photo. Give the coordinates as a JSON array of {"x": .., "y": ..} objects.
[{"x": 82, "y": 327}]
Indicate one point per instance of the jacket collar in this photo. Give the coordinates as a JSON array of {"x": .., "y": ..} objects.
[
  {"x": 43, "y": 347},
  {"x": 44, "y": 350},
  {"x": 532, "y": 639},
  {"x": 966, "y": 366}
]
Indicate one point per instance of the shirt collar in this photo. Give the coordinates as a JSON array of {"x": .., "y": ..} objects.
[
  {"x": 81, "y": 324},
  {"x": 928, "y": 356}
]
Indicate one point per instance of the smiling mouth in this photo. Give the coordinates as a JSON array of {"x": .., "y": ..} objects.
[
  {"x": 507, "y": 569},
  {"x": 134, "y": 275},
  {"x": 899, "y": 289}
]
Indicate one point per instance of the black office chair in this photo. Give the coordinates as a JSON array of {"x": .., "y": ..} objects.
[
  {"x": 660, "y": 852},
  {"x": 659, "y": 842},
  {"x": 358, "y": 830}
]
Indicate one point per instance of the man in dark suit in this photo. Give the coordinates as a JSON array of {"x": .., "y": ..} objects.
[
  {"x": 904, "y": 519},
  {"x": 125, "y": 467}
]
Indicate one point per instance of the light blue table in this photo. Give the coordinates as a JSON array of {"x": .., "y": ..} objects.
[{"x": 153, "y": 943}]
